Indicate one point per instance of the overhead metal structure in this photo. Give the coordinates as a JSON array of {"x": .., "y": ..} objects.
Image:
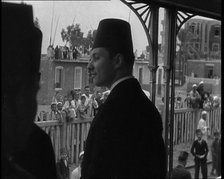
[{"x": 177, "y": 13}]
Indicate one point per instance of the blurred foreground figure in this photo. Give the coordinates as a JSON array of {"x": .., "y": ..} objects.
[
  {"x": 26, "y": 149},
  {"x": 180, "y": 172},
  {"x": 125, "y": 137}
]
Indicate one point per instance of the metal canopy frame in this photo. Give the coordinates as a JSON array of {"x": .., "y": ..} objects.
[{"x": 178, "y": 12}]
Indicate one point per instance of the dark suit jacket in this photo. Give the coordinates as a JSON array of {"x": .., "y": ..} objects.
[
  {"x": 180, "y": 173},
  {"x": 62, "y": 170},
  {"x": 125, "y": 137}
]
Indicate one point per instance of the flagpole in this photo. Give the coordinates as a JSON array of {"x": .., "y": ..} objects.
[{"x": 52, "y": 22}]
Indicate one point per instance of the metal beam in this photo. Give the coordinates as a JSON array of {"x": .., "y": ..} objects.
[
  {"x": 148, "y": 14},
  {"x": 182, "y": 17}
]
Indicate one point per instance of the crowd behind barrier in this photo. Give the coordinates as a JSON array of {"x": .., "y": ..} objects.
[
  {"x": 66, "y": 53},
  {"x": 72, "y": 134},
  {"x": 69, "y": 117}
]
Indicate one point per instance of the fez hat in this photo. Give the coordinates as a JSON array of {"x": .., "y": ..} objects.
[
  {"x": 114, "y": 34},
  {"x": 21, "y": 45},
  {"x": 183, "y": 156}
]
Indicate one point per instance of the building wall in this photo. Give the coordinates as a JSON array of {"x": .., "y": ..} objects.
[
  {"x": 145, "y": 72},
  {"x": 204, "y": 33},
  {"x": 47, "y": 81},
  {"x": 45, "y": 69},
  {"x": 198, "y": 67},
  {"x": 145, "y": 82}
]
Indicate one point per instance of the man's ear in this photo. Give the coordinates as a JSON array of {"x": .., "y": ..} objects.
[{"x": 118, "y": 61}]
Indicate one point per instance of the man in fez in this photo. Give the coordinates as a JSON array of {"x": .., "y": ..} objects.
[
  {"x": 125, "y": 137},
  {"x": 27, "y": 151}
]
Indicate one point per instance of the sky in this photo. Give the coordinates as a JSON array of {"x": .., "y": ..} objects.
[{"x": 87, "y": 14}]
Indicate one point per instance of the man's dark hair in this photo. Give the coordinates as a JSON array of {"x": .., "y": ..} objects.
[
  {"x": 183, "y": 156},
  {"x": 198, "y": 131}
]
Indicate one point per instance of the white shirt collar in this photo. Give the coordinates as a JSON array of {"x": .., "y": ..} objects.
[{"x": 119, "y": 81}]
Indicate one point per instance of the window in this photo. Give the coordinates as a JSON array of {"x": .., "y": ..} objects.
[
  {"x": 58, "y": 77},
  {"x": 78, "y": 78},
  {"x": 197, "y": 46},
  {"x": 140, "y": 75},
  {"x": 206, "y": 32},
  {"x": 185, "y": 69},
  {"x": 217, "y": 31},
  {"x": 198, "y": 29},
  {"x": 192, "y": 27},
  {"x": 160, "y": 82},
  {"x": 215, "y": 47}
]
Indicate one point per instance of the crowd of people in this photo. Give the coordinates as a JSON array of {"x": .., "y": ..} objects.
[
  {"x": 66, "y": 53},
  {"x": 197, "y": 98},
  {"x": 76, "y": 105}
]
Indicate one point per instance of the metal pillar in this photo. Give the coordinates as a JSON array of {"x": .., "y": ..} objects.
[
  {"x": 172, "y": 16},
  {"x": 166, "y": 113},
  {"x": 154, "y": 35},
  {"x": 148, "y": 15}
]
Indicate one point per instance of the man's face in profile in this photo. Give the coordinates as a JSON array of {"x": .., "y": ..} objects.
[{"x": 101, "y": 67}]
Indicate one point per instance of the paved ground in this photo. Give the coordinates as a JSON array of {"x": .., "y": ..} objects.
[
  {"x": 190, "y": 163},
  {"x": 192, "y": 170}
]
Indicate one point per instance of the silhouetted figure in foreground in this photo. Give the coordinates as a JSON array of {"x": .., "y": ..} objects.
[
  {"x": 27, "y": 151},
  {"x": 180, "y": 172}
]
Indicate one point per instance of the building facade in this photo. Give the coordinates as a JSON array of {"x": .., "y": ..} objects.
[
  {"x": 142, "y": 73},
  {"x": 203, "y": 47},
  {"x": 62, "y": 76},
  {"x": 206, "y": 36}
]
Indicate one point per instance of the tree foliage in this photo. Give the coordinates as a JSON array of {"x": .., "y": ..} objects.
[{"x": 74, "y": 36}]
